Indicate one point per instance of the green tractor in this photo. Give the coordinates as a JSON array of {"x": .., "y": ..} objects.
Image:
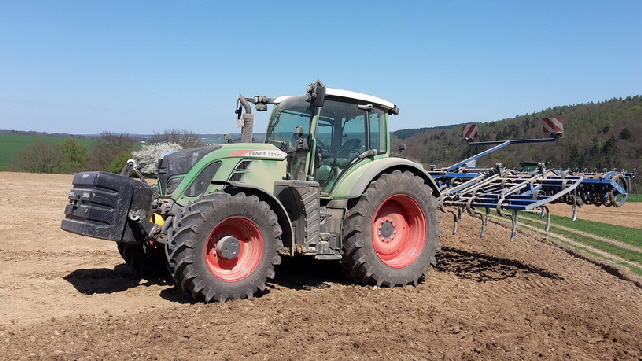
[{"x": 325, "y": 184}]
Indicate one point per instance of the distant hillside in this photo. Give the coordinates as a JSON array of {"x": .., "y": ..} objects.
[
  {"x": 12, "y": 142},
  {"x": 33, "y": 132},
  {"x": 597, "y": 135}
]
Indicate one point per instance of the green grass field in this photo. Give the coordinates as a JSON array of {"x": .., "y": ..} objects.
[
  {"x": 635, "y": 198},
  {"x": 11, "y": 143},
  {"x": 620, "y": 241}
]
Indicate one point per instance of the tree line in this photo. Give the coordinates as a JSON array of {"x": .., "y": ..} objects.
[
  {"x": 110, "y": 152},
  {"x": 603, "y": 135}
]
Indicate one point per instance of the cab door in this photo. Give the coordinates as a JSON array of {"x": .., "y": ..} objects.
[{"x": 342, "y": 135}]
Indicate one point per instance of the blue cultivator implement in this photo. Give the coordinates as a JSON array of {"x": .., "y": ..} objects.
[{"x": 477, "y": 191}]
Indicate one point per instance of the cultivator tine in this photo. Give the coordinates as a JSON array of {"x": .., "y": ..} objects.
[
  {"x": 484, "y": 218},
  {"x": 457, "y": 219},
  {"x": 513, "y": 231},
  {"x": 547, "y": 212}
]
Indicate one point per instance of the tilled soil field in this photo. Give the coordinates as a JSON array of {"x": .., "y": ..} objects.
[{"x": 69, "y": 297}]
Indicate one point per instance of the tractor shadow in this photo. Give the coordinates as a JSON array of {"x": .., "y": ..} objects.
[
  {"x": 481, "y": 267},
  {"x": 103, "y": 280},
  {"x": 299, "y": 273},
  {"x": 306, "y": 273}
]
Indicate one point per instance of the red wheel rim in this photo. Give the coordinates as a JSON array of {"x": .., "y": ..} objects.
[
  {"x": 249, "y": 256},
  {"x": 399, "y": 231}
]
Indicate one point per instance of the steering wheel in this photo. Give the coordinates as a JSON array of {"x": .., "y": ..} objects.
[{"x": 350, "y": 146}]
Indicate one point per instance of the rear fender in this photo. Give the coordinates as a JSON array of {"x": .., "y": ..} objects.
[{"x": 355, "y": 183}]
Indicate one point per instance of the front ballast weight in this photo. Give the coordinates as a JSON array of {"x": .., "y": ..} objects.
[{"x": 108, "y": 206}]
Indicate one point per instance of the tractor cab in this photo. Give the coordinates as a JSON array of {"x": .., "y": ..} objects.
[{"x": 325, "y": 137}]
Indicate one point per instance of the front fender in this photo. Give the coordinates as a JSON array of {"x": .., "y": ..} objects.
[{"x": 273, "y": 202}]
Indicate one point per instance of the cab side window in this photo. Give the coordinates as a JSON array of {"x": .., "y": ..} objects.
[
  {"x": 378, "y": 133},
  {"x": 353, "y": 138}
]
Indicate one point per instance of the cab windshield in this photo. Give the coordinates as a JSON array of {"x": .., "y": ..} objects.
[{"x": 287, "y": 115}]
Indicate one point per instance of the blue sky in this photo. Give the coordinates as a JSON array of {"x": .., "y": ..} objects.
[{"x": 145, "y": 66}]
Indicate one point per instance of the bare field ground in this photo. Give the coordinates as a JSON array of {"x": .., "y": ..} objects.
[{"x": 69, "y": 297}]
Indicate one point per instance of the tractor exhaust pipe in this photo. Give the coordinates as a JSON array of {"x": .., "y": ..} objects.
[{"x": 244, "y": 120}]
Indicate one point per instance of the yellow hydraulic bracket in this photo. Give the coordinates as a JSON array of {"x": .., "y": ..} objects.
[{"x": 156, "y": 218}]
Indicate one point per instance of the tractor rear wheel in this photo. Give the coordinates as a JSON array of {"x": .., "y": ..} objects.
[
  {"x": 146, "y": 258},
  {"x": 391, "y": 234},
  {"x": 224, "y": 247}
]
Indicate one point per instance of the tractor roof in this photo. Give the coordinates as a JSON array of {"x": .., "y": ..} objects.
[{"x": 352, "y": 95}]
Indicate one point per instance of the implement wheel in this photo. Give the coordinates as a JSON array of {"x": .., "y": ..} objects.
[
  {"x": 617, "y": 199},
  {"x": 225, "y": 247},
  {"x": 390, "y": 235}
]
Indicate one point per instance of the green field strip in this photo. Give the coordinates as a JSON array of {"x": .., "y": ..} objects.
[
  {"x": 630, "y": 246},
  {"x": 627, "y": 235},
  {"x": 626, "y": 254},
  {"x": 636, "y": 270}
]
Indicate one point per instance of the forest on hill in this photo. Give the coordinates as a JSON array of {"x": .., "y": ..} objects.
[{"x": 596, "y": 135}]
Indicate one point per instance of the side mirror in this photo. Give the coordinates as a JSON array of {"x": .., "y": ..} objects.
[{"x": 315, "y": 94}]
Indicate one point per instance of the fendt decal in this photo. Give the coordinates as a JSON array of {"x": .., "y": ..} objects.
[{"x": 264, "y": 154}]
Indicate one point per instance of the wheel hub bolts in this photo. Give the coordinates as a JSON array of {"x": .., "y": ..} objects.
[
  {"x": 386, "y": 229},
  {"x": 228, "y": 247}
]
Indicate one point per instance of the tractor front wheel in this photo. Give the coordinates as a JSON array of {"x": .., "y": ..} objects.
[
  {"x": 390, "y": 235},
  {"x": 224, "y": 247},
  {"x": 147, "y": 258}
]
